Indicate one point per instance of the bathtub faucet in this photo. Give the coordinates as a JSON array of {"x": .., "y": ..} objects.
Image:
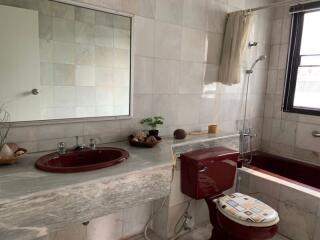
[{"x": 246, "y": 137}]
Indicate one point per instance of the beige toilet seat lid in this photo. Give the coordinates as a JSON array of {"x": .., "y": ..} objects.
[{"x": 247, "y": 210}]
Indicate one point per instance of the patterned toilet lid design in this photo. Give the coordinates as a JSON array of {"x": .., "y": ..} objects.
[{"x": 247, "y": 210}]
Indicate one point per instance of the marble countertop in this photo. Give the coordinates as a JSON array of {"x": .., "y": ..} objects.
[{"x": 23, "y": 178}]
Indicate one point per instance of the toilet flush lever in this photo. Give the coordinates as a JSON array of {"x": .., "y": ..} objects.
[
  {"x": 316, "y": 134},
  {"x": 203, "y": 169}
]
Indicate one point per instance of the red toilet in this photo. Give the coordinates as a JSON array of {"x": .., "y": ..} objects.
[{"x": 206, "y": 174}]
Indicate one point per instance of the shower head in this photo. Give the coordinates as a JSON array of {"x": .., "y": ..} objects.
[{"x": 261, "y": 58}]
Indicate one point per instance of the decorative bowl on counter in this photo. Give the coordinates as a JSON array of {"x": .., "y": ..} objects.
[
  {"x": 11, "y": 159},
  {"x": 148, "y": 142}
]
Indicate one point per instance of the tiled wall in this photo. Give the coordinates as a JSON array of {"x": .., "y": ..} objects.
[
  {"x": 299, "y": 211},
  {"x": 177, "y": 47},
  {"x": 176, "y": 51},
  {"x": 286, "y": 134}
]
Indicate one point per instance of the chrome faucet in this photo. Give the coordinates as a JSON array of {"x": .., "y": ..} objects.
[
  {"x": 92, "y": 144},
  {"x": 61, "y": 148},
  {"x": 78, "y": 146},
  {"x": 246, "y": 133}
]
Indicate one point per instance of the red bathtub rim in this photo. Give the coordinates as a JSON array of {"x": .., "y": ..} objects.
[
  {"x": 260, "y": 153},
  {"x": 283, "y": 178}
]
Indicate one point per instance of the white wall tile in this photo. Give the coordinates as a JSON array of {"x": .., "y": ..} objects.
[
  {"x": 121, "y": 78},
  {"x": 63, "y": 30},
  {"x": 46, "y": 50},
  {"x": 63, "y": 74},
  {"x": 46, "y": 74},
  {"x": 284, "y": 132},
  {"x": 217, "y": 16},
  {"x": 63, "y": 11},
  {"x": 145, "y": 8},
  {"x": 170, "y": 11},
  {"x": 166, "y": 76},
  {"x": 104, "y": 96},
  {"x": 122, "y": 39},
  {"x": 192, "y": 77},
  {"x": 85, "y": 76},
  {"x": 45, "y": 27},
  {"x": 104, "y": 56},
  {"x": 121, "y": 58},
  {"x": 193, "y": 45},
  {"x": 168, "y": 41},
  {"x": 104, "y": 36},
  {"x": 195, "y": 14},
  {"x": 85, "y": 15},
  {"x": 104, "y": 76},
  {"x": 144, "y": 36},
  {"x": 210, "y": 110},
  {"x": 84, "y": 54},
  {"x": 64, "y": 96},
  {"x": 305, "y": 139},
  {"x": 85, "y": 96},
  {"x": 143, "y": 74},
  {"x": 165, "y": 106},
  {"x": 188, "y": 109},
  {"x": 63, "y": 53}
]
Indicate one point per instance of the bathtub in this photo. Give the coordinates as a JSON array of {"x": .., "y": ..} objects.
[
  {"x": 287, "y": 169},
  {"x": 289, "y": 186}
]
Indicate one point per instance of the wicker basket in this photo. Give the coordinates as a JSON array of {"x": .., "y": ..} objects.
[{"x": 13, "y": 159}]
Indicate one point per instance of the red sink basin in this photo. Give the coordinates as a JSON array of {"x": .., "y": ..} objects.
[{"x": 81, "y": 160}]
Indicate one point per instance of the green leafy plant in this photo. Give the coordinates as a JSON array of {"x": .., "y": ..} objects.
[{"x": 153, "y": 122}]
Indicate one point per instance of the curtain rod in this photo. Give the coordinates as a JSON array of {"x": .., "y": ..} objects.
[{"x": 279, "y": 4}]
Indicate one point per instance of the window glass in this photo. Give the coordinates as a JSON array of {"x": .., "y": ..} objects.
[
  {"x": 311, "y": 34},
  {"x": 308, "y": 88},
  {"x": 307, "y": 92}
]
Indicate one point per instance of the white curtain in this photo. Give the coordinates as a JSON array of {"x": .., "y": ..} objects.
[{"x": 235, "y": 42}]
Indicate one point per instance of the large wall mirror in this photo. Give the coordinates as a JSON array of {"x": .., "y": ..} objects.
[{"x": 61, "y": 61}]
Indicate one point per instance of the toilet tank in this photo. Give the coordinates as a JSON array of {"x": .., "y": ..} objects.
[{"x": 208, "y": 172}]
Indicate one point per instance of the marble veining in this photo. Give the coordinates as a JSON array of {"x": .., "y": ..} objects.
[{"x": 33, "y": 203}]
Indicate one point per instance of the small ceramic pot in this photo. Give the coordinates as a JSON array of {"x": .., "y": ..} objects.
[{"x": 154, "y": 133}]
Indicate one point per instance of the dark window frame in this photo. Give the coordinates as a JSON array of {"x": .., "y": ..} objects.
[{"x": 295, "y": 58}]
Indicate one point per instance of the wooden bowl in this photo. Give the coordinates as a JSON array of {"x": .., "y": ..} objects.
[
  {"x": 12, "y": 159},
  {"x": 142, "y": 144}
]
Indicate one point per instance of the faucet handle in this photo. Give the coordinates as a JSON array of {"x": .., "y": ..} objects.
[{"x": 61, "y": 148}]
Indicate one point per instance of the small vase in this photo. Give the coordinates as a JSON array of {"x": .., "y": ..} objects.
[{"x": 154, "y": 133}]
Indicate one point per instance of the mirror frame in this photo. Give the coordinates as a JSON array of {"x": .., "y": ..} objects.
[{"x": 93, "y": 119}]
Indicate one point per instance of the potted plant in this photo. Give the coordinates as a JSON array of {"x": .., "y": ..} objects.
[{"x": 153, "y": 122}]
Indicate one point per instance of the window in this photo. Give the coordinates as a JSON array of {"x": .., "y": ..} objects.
[{"x": 302, "y": 91}]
